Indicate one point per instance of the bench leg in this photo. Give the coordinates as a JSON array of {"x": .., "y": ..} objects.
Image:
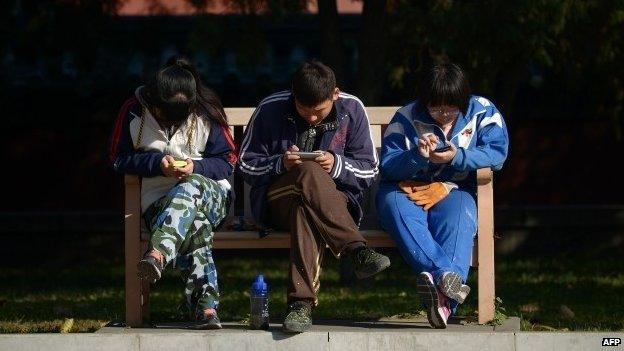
[
  {"x": 145, "y": 291},
  {"x": 133, "y": 283},
  {"x": 134, "y": 315},
  {"x": 485, "y": 253}
]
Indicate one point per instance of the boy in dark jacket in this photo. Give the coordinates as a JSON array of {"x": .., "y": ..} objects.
[{"x": 316, "y": 198}]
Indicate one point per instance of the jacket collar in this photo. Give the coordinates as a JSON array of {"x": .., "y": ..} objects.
[{"x": 421, "y": 114}]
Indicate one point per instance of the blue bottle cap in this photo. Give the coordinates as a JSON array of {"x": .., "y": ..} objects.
[{"x": 259, "y": 285}]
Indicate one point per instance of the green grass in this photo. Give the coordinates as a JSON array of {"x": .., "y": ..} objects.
[{"x": 39, "y": 300}]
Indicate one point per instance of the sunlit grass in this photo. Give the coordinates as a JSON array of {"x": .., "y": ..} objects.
[{"x": 560, "y": 293}]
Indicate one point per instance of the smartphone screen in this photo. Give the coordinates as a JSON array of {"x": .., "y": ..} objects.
[
  {"x": 307, "y": 155},
  {"x": 443, "y": 148}
]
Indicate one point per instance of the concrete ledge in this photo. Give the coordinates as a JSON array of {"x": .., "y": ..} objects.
[
  {"x": 413, "y": 325},
  {"x": 68, "y": 342},
  {"x": 315, "y": 340},
  {"x": 422, "y": 341},
  {"x": 539, "y": 341}
]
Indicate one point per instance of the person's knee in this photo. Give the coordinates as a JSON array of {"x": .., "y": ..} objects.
[
  {"x": 308, "y": 167},
  {"x": 195, "y": 182},
  {"x": 455, "y": 213},
  {"x": 310, "y": 175},
  {"x": 390, "y": 201},
  {"x": 385, "y": 199},
  {"x": 456, "y": 201},
  {"x": 193, "y": 178}
]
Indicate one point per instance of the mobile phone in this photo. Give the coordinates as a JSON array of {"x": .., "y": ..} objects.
[
  {"x": 443, "y": 148},
  {"x": 442, "y": 144},
  {"x": 179, "y": 164},
  {"x": 308, "y": 155}
]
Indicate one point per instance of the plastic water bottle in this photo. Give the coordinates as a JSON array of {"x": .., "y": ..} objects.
[{"x": 259, "y": 316}]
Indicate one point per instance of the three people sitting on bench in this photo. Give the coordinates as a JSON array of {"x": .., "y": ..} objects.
[{"x": 426, "y": 200}]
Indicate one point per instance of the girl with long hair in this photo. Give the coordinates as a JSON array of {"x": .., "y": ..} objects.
[{"x": 174, "y": 134}]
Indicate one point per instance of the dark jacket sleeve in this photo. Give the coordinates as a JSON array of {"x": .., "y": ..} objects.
[
  {"x": 219, "y": 155},
  {"x": 357, "y": 168},
  {"x": 256, "y": 164},
  {"x": 122, "y": 156}
]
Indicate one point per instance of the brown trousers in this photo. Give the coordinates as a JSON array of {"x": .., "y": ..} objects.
[{"x": 305, "y": 202}]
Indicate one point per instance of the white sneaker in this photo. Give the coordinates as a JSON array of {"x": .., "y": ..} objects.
[
  {"x": 451, "y": 286},
  {"x": 436, "y": 303}
]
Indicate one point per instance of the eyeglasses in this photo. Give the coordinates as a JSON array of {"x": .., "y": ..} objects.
[{"x": 436, "y": 112}]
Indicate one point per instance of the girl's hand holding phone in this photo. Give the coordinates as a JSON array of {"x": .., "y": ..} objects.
[
  {"x": 444, "y": 155},
  {"x": 176, "y": 169}
]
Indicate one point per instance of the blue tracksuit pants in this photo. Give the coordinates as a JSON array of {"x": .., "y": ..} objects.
[{"x": 436, "y": 241}]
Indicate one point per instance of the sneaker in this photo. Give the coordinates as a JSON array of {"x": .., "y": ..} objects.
[
  {"x": 367, "y": 262},
  {"x": 436, "y": 303},
  {"x": 206, "y": 321},
  {"x": 451, "y": 286},
  {"x": 151, "y": 266},
  {"x": 298, "y": 317}
]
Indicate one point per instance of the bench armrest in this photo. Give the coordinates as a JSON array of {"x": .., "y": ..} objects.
[{"x": 131, "y": 179}]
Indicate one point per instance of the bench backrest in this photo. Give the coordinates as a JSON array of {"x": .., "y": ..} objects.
[
  {"x": 378, "y": 117},
  {"x": 137, "y": 291}
]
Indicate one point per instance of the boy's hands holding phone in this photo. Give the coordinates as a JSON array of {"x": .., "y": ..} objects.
[
  {"x": 326, "y": 160},
  {"x": 428, "y": 148},
  {"x": 294, "y": 157},
  {"x": 290, "y": 159}
]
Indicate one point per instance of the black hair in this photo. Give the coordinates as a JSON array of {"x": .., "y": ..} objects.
[
  {"x": 177, "y": 90},
  {"x": 313, "y": 83},
  {"x": 444, "y": 84}
]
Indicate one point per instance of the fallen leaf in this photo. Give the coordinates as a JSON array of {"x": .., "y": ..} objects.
[{"x": 566, "y": 312}]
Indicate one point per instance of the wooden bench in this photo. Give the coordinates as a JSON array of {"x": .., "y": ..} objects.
[{"x": 136, "y": 240}]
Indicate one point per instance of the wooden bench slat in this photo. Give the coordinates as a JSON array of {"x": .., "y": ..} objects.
[
  {"x": 377, "y": 115},
  {"x": 281, "y": 240}
]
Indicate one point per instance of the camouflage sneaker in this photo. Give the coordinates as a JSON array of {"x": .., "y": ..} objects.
[
  {"x": 298, "y": 317},
  {"x": 367, "y": 262},
  {"x": 150, "y": 267}
]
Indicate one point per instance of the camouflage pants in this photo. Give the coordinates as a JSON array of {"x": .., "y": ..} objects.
[{"x": 182, "y": 225}]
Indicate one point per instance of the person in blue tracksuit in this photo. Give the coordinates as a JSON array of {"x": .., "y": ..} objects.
[{"x": 427, "y": 197}]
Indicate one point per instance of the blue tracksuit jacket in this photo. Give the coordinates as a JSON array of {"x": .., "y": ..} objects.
[{"x": 479, "y": 134}]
